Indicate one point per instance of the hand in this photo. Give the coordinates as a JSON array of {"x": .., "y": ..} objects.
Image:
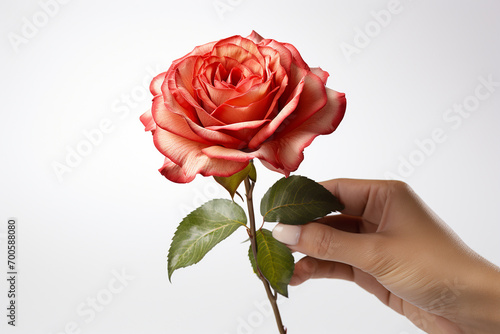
[{"x": 391, "y": 244}]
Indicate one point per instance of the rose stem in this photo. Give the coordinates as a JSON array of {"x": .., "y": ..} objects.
[{"x": 249, "y": 185}]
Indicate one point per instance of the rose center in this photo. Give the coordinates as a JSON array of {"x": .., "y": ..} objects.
[{"x": 234, "y": 77}]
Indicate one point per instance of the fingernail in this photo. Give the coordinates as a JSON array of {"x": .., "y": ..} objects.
[{"x": 287, "y": 234}]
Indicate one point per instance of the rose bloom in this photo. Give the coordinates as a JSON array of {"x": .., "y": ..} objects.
[{"x": 237, "y": 99}]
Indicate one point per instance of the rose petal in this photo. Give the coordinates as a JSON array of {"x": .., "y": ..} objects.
[
  {"x": 323, "y": 75},
  {"x": 266, "y": 154},
  {"x": 188, "y": 159},
  {"x": 213, "y": 71},
  {"x": 174, "y": 172},
  {"x": 173, "y": 122},
  {"x": 173, "y": 106},
  {"x": 198, "y": 51},
  {"x": 254, "y": 111},
  {"x": 174, "y": 94},
  {"x": 244, "y": 43},
  {"x": 255, "y": 37},
  {"x": 235, "y": 76},
  {"x": 285, "y": 56},
  {"x": 253, "y": 66},
  {"x": 243, "y": 131},
  {"x": 227, "y": 91},
  {"x": 218, "y": 96},
  {"x": 202, "y": 119},
  {"x": 239, "y": 126},
  {"x": 241, "y": 52},
  {"x": 308, "y": 97},
  {"x": 180, "y": 74},
  {"x": 248, "y": 82},
  {"x": 216, "y": 137},
  {"x": 219, "y": 152},
  {"x": 296, "y": 56},
  {"x": 180, "y": 83},
  {"x": 287, "y": 152},
  {"x": 271, "y": 127},
  {"x": 213, "y": 66},
  {"x": 312, "y": 99},
  {"x": 148, "y": 121},
  {"x": 275, "y": 63},
  {"x": 155, "y": 86},
  {"x": 206, "y": 119},
  {"x": 252, "y": 95},
  {"x": 274, "y": 169},
  {"x": 201, "y": 92},
  {"x": 295, "y": 76}
]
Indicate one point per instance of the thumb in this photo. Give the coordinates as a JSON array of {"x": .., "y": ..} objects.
[{"x": 327, "y": 243}]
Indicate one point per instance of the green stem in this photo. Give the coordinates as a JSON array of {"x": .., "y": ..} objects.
[{"x": 249, "y": 185}]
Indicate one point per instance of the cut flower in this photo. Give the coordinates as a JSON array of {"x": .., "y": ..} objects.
[{"x": 237, "y": 99}]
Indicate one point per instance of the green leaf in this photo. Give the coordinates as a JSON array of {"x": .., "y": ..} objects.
[
  {"x": 231, "y": 183},
  {"x": 201, "y": 230},
  {"x": 252, "y": 174},
  {"x": 275, "y": 261},
  {"x": 297, "y": 200}
]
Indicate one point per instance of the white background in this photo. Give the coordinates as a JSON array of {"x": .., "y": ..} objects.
[{"x": 112, "y": 212}]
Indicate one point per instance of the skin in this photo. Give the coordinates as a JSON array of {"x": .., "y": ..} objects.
[{"x": 391, "y": 244}]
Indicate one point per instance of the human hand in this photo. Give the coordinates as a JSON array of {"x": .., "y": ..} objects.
[{"x": 391, "y": 244}]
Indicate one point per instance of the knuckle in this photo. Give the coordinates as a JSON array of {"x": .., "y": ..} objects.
[
  {"x": 324, "y": 245},
  {"x": 398, "y": 187},
  {"x": 305, "y": 268},
  {"x": 309, "y": 265},
  {"x": 375, "y": 254}
]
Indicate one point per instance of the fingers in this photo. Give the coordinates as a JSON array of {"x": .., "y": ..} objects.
[
  {"x": 348, "y": 223},
  {"x": 326, "y": 243},
  {"x": 364, "y": 198},
  {"x": 311, "y": 268}
]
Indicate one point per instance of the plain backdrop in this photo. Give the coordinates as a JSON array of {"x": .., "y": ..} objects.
[{"x": 422, "y": 80}]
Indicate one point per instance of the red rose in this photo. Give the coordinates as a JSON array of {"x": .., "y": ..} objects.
[{"x": 237, "y": 99}]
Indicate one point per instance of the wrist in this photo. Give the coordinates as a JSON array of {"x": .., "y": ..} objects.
[{"x": 480, "y": 307}]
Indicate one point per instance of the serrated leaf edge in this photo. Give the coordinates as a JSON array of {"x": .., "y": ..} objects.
[{"x": 229, "y": 223}]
